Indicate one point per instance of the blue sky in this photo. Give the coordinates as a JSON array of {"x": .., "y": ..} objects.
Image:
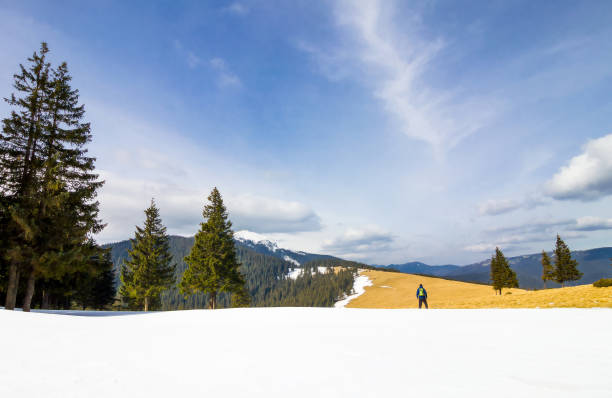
[{"x": 374, "y": 130}]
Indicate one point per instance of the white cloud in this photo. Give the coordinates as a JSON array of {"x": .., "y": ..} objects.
[
  {"x": 360, "y": 240},
  {"x": 226, "y": 77},
  {"x": 588, "y": 176},
  {"x": 237, "y": 8},
  {"x": 395, "y": 66},
  {"x": 589, "y": 223},
  {"x": 494, "y": 207},
  {"x": 124, "y": 199},
  {"x": 261, "y": 214}
]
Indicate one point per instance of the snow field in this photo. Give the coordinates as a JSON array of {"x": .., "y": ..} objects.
[{"x": 349, "y": 353}]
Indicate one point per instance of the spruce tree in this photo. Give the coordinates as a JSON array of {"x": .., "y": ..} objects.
[
  {"x": 20, "y": 165},
  {"x": 501, "y": 273},
  {"x": 148, "y": 270},
  {"x": 95, "y": 289},
  {"x": 48, "y": 184},
  {"x": 548, "y": 271},
  {"x": 212, "y": 266},
  {"x": 566, "y": 268}
]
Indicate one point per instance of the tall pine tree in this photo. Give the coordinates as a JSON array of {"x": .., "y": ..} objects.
[
  {"x": 548, "y": 271},
  {"x": 212, "y": 263},
  {"x": 48, "y": 184},
  {"x": 149, "y": 269},
  {"x": 501, "y": 274},
  {"x": 566, "y": 268}
]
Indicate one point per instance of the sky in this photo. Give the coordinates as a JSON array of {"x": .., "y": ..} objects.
[{"x": 379, "y": 131}]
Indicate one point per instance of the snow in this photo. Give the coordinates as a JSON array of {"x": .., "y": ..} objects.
[
  {"x": 295, "y": 272},
  {"x": 248, "y": 235},
  {"x": 359, "y": 286},
  {"x": 355, "y": 353},
  {"x": 291, "y": 260}
]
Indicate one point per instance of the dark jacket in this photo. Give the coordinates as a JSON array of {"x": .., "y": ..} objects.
[{"x": 424, "y": 291}]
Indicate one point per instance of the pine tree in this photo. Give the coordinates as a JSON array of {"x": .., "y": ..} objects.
[
  {"x": 148, "y": 270},
  {"x": 212, "y": 263},
  {"x": 548, "y": 271},
  {"x": 20, "y": 165},
  {"x": 566, "y": 268},
  {"x": 96, "y": 290},
  {"x": 501, "y": 273},
  {"x": 48, "y": 184}
]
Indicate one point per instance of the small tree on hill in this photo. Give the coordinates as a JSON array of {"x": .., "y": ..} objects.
[
  {"x": 501, "y": 273},
  {"x": 212, "y": 263},
  {"x": 566, "y": 268},
  {"x": 148, "y": 271},
  {"x": 548, "y": 271}
]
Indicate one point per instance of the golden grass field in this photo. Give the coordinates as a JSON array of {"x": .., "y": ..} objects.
[{"x": 396, "y": 290}]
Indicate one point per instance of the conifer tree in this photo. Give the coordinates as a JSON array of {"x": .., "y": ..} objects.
[
  {"x": 548, "y": 271},
  {"x": 148, "y": 270},
  {"x": 501, "y": 273},
  {"x": 566, "y": 268},
  {"x": 212, "y": 263},
  {"x": 20, "y": 164},
  {"x": 47, "y": 181},
  {"x": 96, "y": 290}
]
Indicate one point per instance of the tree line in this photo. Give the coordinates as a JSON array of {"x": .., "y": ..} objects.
[{"x": 564, "y": 268}]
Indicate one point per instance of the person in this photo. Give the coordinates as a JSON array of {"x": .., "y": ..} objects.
[{"x": 422, "y": 296}]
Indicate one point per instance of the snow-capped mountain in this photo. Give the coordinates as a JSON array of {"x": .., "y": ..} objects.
[{"x": 261, "y": 244}]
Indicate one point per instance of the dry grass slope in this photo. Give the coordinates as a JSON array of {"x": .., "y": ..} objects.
[{"x": 396, "y": 290}]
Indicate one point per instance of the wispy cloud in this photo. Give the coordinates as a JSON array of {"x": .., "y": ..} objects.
[
  {"x": 395, "y": 65},
  {"x": 224, "y": 75},
  {"x": 588, "y": 176},
  {"x": 237, "y": 8},
  {"x": 494, "y": 207},
  {"x": 226, "y": 78}
]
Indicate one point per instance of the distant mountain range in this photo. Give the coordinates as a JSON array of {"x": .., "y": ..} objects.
[{"x": 594, "y": 263}]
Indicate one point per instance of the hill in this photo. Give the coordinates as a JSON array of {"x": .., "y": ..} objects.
[
  {"x": 395, "y": 290},
  {"x": 594, "y": 263},
  {"x": 270, "y": 275}
]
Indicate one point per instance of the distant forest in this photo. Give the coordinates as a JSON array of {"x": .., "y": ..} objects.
[{"x": 266, "y": 276}]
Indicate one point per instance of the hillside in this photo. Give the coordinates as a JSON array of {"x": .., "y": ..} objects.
[
  {"x": 268, "y": 272},
  {"x": 594, "y": 263},
  {"x": 395, "y": 290}
]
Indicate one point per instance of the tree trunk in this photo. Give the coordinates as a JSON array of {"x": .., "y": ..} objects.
[
  {"x": 45, "y": 300},
  {"x": 27, "y": 300},
  {"x": 146, "y": 304},
  {"x": 213, "y": 301},
  {"x": 11, "y": 291}
]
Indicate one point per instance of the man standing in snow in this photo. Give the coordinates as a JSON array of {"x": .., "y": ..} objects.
[{"x": 422, "y": 296}]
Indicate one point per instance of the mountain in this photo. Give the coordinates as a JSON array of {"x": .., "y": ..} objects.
[
  {"x": 594, "y": 263},
  {"x": 268, "y": 271},
  {"x": 267, "y": 247}
]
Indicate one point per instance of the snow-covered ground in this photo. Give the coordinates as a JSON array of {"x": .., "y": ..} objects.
[
  {"x": 359, "y": 286},
  {"x": 295, "y": 272},
  {"x": 350, "y": 353}
]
